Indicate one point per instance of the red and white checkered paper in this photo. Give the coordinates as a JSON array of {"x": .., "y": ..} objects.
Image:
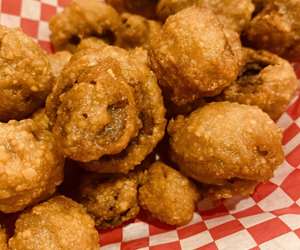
[{"x": 269, "y": 220}]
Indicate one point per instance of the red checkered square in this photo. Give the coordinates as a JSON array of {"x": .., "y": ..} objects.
[
  {"x": 293, "y": 158},
  {"x": 266, "y": 230},
  {"x": 30, "y": 27},
  {"x": 12, "y": 7},
  {"x": 290, "y": 132},
  {"x": 189, "y": 231},
  {"x": 47, "y": 11},
  {"x": 289, "y": 185},
  {"x": 263, "y": 190},
  {"x": 248, "y": 212},
  {"x": 111, "y": 236},
  {"x": 226, "y": 229},
  {"x": 294, "y": 109}
]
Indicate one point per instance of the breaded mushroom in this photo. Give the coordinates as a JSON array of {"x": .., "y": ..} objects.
[
  {"x": 58, "y": 60},
  {"x": 233, "y": 14},
  {"x": 58, "y": 224},
  {"x": 224, "y": 142},
  {"x": 110, "y": 202},
  {"x": 276, "y": 28},
  {"x": 136, "y": 31},
  {"x": 3, "y": 239},
  {"x": 194, "y": 56},
  {"x": 83, "y": 19},
  {"x": 31, "y": 166},
  {"x": 107, "y": 109},
  {"x": 25, "y": 75},
  {"x": 266, "y": 81},
  {"x": 168, "y": 195}
]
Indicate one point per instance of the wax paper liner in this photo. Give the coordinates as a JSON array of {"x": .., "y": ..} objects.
[{"x": 270, "y": 219}]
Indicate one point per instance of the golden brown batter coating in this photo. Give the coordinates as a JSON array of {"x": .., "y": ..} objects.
[
  {"x": 233, "y": 14},
  {"x": 41, "y": 119},
  {"x": 266, "y": 81},
  {"x": 168, "y": 195},
  {"x": 25, "y": 75},
  {"x": 224, "y": 142},
  {"x": 144, "y": 8},
  {"x": 230, "y": 189},
  {"x": 110, "y": 202},
  {"x": 136, "y": 31},
  {"x": 58, "y": 224},
  {"x": 90, "y": 43},
  {"x": 194, "y": 57},
  {"x": 3, "y": 239},
  {"x": 83, "y": 19},
  {"x": 107, "y": 107},
  {"x": 58, "y": 60},
  {"x": 277, "y": 28},
  {"x": 31, "y": 166}
]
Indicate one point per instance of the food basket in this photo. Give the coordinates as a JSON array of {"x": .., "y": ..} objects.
[{"x": 270, "y": 219}]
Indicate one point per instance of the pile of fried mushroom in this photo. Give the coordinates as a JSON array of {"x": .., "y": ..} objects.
[{"x": 204, "y": 80}]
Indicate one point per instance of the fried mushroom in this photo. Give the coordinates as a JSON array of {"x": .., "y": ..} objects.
[
  {"x": 194, "y": 56},
  {"x": 276, "y": 28},
  {"x": 58, "y": 224},
  {"x": 226, "y": 142},
  {"x": 107, "y": 109},
  {"x": 168, "y": 195},
  {"x": 233, "y": 14},
  {"x": 110, "y": 202},
  {"x": 83, "y": 19},
  {"x": 266, "y": 81},
  {"x": 31, "y": 167},
  {"x": 3, "y": 239},
  {"x": 25, "y": 75}
]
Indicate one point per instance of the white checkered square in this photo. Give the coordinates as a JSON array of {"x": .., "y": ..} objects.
[
  {"x": 31, "y": 9},
  {"x": 135, "y": 231},
  {"x": 281, "y": 173},
  {"x": 43, "y": 31},
  {"x": 288, "y": 241},
  {"x": 51, "y": 2},
  {"x": 291, "y": 220},
  {"x": 196, "y": 241},
  {"x": 10, "y": 20},
  {"x": 276, "y": 200},
  {"x": 241, "y": 240},
  {"x": 253, "y": 220},
  {"x": 164, "y": 238},
  {"x": 211, "y": 223},
  {"x": 116, "y": 246}
]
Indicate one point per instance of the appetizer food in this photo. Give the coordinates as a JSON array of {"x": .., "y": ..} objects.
[
  {"x": 58, "y": 60},
  {"x": 136, "y": 31},
  {"x": 107, "y": 109},
  {"x": 276, "y": 28},
  {"x": 25, "y": 75},
  {"x": 59, "y": 223},
  {"x": 31, "y": 165},
  {"x": 168, "y": 195},
  {"x": 194, "y": 56},
  {"x": 83, "y": 19},
  {"x": 266, "y": 81},
  {"x": 110, "y": 202},
  {"x": 233, "y": 14},
  {"x": 224, "y": 143}
]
